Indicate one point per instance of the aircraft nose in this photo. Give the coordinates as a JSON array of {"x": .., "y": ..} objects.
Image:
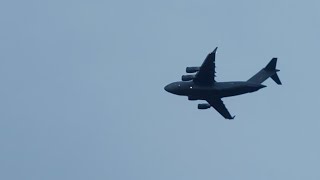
[
  {"x": 171, "y": 88},
  {"x": 168, "y": 88}
]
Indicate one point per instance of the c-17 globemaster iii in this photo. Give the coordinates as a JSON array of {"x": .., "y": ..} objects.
[{"x": 202, "y": 85}]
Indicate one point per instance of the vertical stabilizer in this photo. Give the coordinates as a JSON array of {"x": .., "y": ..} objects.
[
  {"x": 269, "y": 71},
  {"x": 271, "y": 66}
]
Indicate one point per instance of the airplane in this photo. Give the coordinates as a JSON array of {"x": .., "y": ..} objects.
[{"x": 202, "y": 85}]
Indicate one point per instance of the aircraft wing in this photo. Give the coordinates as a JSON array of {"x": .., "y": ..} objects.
[
  {"x": 218, "y": 105},
  {"x": 207, "y": 71}
]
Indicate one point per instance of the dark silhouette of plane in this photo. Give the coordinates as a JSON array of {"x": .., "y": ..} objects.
[{"x": 202, "y": 85}]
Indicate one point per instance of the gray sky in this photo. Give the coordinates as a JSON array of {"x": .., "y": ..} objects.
[{"x": 82, "y": 94}]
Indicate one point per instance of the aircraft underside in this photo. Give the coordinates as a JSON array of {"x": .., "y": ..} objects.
[{"x": 204, "y": 94}]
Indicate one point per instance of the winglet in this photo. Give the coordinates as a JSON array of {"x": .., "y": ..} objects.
[
  {"x": 230, "y": 117},
  {"x": 215, "y": 50}
]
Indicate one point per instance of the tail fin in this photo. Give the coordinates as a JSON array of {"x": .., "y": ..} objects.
[{"x": 269, "y": 71}]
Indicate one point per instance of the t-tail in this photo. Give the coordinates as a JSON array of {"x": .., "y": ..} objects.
[{"x": 269, "y": 71}]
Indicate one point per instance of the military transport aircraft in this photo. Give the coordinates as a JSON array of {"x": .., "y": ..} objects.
[{"x": 202, "y": 85}]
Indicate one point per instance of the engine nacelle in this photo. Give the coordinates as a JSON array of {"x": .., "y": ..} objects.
[
  {"x": 204, "y": 106},
  {"x": 192, "y": 98},
  {"x": 187, "y": 77},
  {"x": 192, "y": 69}
]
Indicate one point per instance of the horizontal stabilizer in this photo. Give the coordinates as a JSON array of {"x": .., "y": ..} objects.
[{"x": 276, "y": 79}]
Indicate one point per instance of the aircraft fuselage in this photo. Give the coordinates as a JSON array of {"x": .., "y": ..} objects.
[{"x": 217, "y": 89}]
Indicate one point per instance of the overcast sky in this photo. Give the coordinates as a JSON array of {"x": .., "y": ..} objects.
[{"x": 82, "y": 95}]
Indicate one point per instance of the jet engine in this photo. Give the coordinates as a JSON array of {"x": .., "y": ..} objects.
[
  {"x": 204, "y": 106},
  {"x": 192, "y": 69},
  {"x": 187, "y": 77}
]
